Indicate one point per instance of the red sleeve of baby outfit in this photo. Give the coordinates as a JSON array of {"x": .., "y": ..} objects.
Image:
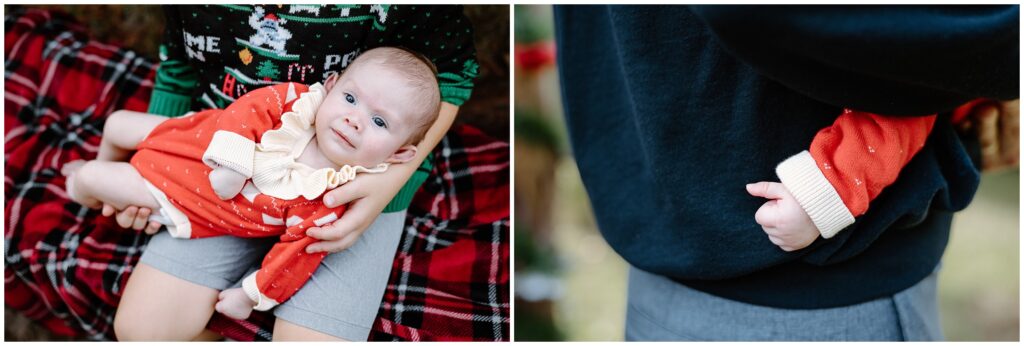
[
  {"x": 241, "y": 124},
  {"x": 849, "y": 163},
  {"x": 960, "y": 114},
  {"x": 287, "y": 266}
]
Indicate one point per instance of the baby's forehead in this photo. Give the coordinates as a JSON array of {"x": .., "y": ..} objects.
[
  {"x": 403, "y": 79},
  {"x": 385, "y": 90}
]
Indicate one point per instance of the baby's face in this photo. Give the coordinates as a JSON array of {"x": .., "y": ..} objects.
[{"x": 365, "y": 118}]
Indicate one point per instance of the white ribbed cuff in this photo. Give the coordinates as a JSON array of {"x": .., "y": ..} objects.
[
  {"x": 821, "y": 201},
  {"x": 263, "y": 303},
  {"x": 231, "y": 150}
]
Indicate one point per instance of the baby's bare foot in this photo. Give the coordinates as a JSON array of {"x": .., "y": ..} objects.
[
  {"x": 73, "y": 186},
  {"x": 71, "y": 167}
]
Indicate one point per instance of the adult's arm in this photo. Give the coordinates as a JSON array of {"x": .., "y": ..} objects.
[
  {"x": 893, "y": 60},
  {"x": 176, "y": 78}
]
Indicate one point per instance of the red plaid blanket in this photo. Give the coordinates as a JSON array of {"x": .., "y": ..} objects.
[{"x": 65, "y": 266}]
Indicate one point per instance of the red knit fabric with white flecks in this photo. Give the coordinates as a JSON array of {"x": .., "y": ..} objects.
[{"x": 862, "y": 153}]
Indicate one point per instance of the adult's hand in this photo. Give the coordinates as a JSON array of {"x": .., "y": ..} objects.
[
  {"x": 133, "y": 217},
  {"x": 367, "y": 195},
  {"x": 998, "y": 126},
  {"x": 366, "y": 198}
]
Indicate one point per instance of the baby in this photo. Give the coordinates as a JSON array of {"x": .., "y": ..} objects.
[{"x": 259, "y": 167}]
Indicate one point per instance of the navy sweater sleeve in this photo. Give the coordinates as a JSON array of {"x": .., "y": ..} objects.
[{"x": 896, "y": 60}]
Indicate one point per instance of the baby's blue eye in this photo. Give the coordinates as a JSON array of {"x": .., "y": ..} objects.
[
  {"x": 351, "y": 99},
  {"x": 380, "y": 122}
]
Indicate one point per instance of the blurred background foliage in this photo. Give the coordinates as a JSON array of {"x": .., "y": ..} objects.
[{"x": 571, "y": 286}]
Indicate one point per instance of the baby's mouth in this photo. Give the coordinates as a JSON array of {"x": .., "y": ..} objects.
[{"x": 344, "y": 138}]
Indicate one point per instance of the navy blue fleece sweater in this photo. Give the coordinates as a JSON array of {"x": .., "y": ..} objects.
[{"x": 673, "y": 109}]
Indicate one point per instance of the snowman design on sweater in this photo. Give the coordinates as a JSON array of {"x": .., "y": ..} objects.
[{"x": 270, "y": 30}]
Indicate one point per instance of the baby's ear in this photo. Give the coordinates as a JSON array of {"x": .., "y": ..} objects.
[
  {"x": 330, "y": 81},
  {"x": 403, "y": 154}
]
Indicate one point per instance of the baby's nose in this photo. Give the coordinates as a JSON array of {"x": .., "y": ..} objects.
[{"x": 352, "y": 120}]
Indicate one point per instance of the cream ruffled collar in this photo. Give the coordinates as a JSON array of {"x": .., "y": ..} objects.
[{"x": 275, "y": 169}]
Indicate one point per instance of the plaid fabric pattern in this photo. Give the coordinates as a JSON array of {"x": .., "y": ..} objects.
[
  {"x": 65, "y": 266},
  {"x": 451, "y": 274}
]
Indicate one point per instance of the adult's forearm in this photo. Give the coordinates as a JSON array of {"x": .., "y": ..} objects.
[
  {"x": 445, "y": 119},
  {"x": 433, "y": 136},
  {"x": 172, "y": 91},
  {"x": 892, "y": 60}
]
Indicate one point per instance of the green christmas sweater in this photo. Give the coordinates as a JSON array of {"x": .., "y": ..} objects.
[{"x": 213, "y": 54}]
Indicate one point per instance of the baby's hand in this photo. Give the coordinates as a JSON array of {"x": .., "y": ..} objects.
[
  {"x": 234, "y": 303},
  {"x": 226, "y": 182},
  {"x": 782, "y": 218}
]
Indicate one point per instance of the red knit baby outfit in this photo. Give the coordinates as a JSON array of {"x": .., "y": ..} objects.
[
  {"x": 849, "y": 163},
  {"x": 171, "y": 159}
]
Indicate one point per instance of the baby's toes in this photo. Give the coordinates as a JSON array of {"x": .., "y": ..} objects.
[
  {"x": 71, "y": 187},
  {"x": 71, "y": 167}
]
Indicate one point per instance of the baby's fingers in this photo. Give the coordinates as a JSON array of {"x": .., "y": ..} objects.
[
  {"x": 126, "y": 218},
  {"x": 768, "y": 214},
  {"x": 766, "y": 189},
  {"x": 782, "y": 244},
  {"x": 221, "y": 307}
]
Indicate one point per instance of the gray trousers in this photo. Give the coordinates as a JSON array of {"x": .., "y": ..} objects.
[
  {"x": 341, "y": 299},
  {"x": 660, "y": 309}
]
